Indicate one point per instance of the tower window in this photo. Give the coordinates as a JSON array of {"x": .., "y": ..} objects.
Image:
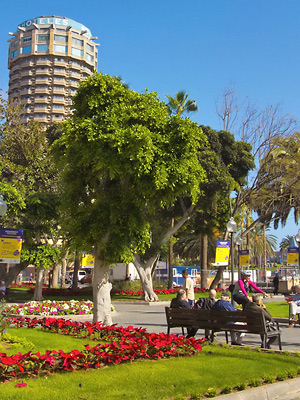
[
  {"x": 42, "y": 38},
  {"x": 41, "y": 47}
]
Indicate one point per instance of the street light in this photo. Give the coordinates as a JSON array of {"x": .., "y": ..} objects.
[
  {"x": 297, "y": 237},
  {"x": 3, "y": 206},
  {"x": 239, "y": 242},
  {"x": 231, "y": 228}
]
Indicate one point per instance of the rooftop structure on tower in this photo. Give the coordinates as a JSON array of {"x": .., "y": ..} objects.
[{"x": 48, "y": 57}]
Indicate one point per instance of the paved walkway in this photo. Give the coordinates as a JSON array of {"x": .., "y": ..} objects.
[{"x": 152, "y": 317}]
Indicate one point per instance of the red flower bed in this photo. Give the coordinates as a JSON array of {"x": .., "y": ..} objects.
[
  {"x": 24, "y": 285},
  {"x": 115, "y": 292},
  {"x": 121, "y": 345},
  {"x": 289, "y": 299}
]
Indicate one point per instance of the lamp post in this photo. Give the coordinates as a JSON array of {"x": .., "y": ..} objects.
[
  {"x": 297, "y": 237},
  {"x": 239, "y": 242},
  {"x": 231, "y": 228}
]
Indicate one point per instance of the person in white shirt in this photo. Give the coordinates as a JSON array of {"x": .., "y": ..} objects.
[
  {"x": 294, "y": 307},
  {"x": 188, "y": 286}
]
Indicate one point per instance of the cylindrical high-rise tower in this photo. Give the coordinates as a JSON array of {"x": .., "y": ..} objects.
[{"x": 48, "y": 57}]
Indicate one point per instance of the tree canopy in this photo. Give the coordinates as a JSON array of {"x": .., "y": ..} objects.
[{"x": 124, "y": 156}]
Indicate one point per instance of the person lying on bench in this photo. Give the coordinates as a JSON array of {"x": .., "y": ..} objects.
[
  {"x": 224, "y": 304},
  {"x": 294, "y": 307}
]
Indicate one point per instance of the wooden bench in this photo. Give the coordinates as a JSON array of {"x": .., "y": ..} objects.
[{"x": 225, "y": 321}]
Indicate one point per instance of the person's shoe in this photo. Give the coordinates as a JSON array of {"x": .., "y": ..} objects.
[
  {"x": 291, "y": 326},
  {"x": 236, "y": 344}
]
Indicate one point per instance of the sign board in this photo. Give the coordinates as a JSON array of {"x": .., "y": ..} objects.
[
  {"x": 87, "y": 260},
  {"x": 292, "y": 259},
  {"x": 10, "y": 245},
  {"x": 244, "y": 258},
  {"x": 59, "y": 21},
  {"x": 222, "y": 253}
]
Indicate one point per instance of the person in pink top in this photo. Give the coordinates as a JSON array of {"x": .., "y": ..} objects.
[{"x": 242, "y": 287}]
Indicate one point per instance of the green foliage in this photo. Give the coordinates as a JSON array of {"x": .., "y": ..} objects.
[
  {"x": 227, "y": 390},
  {"x": 268, "y": 379},
  {"x": 123, "y": 158},
  {"x": 41, "y": 255},
  {"x": 211, "y": 392},
  {"x": 18, "y": 342},
  {"x": 3, "y": 317},
  {"x": 242, "y": 386},
  {"x": 282, "y": 376},
  {"x": 255, "y": 382},
  {"x": 180, "y": 104},
  {"x": 278, "y": 181}
]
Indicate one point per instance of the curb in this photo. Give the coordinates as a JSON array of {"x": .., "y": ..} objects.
[{"x": 267, "y": 392}]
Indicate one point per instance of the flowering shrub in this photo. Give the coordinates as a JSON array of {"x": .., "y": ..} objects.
[
  {"x": 48, "y": 307},
  {"x": 25, "y": 285},
  {"x": 157, "y": 291},
  {"x": 115, "y": 292},
  {"x": 119, "y": 345},
  {"x": 289, "y": 299}
]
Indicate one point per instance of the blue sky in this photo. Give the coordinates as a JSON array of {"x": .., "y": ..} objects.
[{"x": 200, "y": 46}]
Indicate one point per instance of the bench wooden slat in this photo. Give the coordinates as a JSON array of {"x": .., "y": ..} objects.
[{"x": 216, "y": 320}]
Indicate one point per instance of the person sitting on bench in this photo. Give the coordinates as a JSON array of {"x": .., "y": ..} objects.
[
  {"x": 224, "y": 304},
  {"x": 181, "y": 301},
  {"x": 206, "y": 303},
  {"x": 258, "y": 306},
  {"x": 294, "y": 307}
]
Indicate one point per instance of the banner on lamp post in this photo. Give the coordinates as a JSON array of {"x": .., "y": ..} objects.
[
  {"x": 244, "y": 258},
  {"x": 10, "y": 245},
  {"x": 292, "y": 259},
  {"x": 222, "y": 253},
  {"x": 87, "y": 260}
]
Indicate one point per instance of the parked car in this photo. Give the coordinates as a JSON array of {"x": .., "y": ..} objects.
[
  {"x": 81, "y": 274},
  {"x": 87, "y": 278}
]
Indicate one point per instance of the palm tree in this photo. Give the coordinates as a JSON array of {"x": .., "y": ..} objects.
[
  {"x": 179, "y": 104},
  {"x": 284, "y": 245},
  {"x": 256, "y": 244},
  {"x": 286, "y": 242}
]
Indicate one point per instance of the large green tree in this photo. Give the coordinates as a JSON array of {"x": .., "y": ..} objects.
[
  {"x": 125, "y": 163},
  {"x": 28, "y": 181}
]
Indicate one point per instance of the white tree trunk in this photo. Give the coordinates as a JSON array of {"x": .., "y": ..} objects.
[
  {"x": 38, "y": 289},
  {"x": 55, "y": 275},
  {"x": 145, "y": 274},
  {"x": 101, "y": 293},
  {"x": 64, "y": 269}
]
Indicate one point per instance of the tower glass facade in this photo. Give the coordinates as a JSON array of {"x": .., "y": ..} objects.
[{"x": 48, "y": 57}]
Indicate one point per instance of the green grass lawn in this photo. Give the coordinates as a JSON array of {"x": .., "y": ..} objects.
[
  {"x": 213, "y": 369},
  {"x": 44, "y": 341}
]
